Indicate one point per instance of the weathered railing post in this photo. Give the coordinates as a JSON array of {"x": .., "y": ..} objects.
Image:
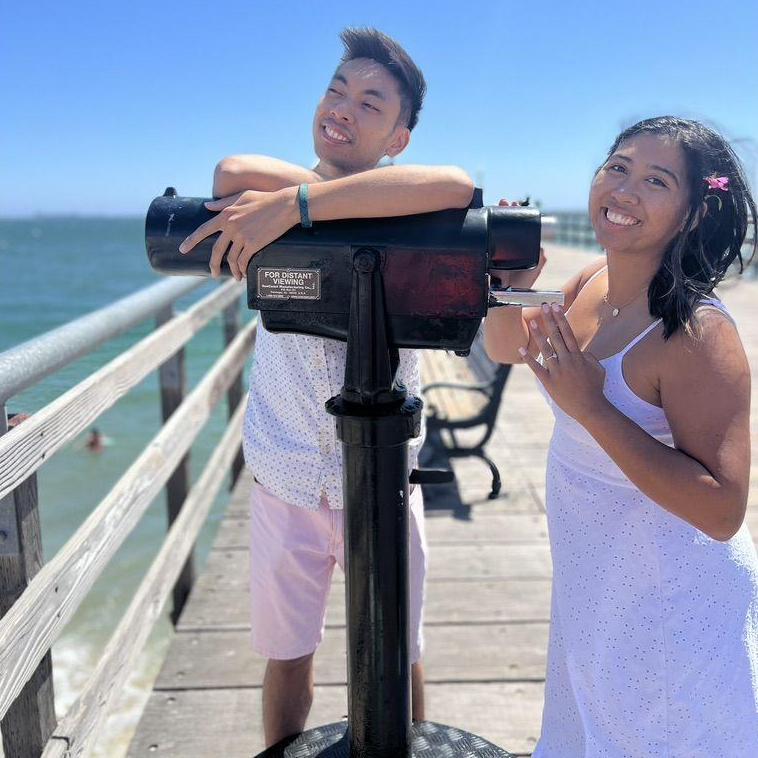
[
  {"x": 232, "y": 324},
  {"x": 30, "y": 721},
  {"x": 173, "y": 381}
]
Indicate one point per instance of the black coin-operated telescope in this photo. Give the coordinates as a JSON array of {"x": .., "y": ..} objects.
[{"x": 417, "y": 281}]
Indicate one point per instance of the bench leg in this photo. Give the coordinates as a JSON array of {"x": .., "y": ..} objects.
[{"x": 496, "y": 483}]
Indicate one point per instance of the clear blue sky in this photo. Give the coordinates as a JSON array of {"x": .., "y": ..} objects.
[{"x": 104, "y": 104}]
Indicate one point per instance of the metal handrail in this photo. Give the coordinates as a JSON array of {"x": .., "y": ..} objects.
[{"x": 31, "y": 361}]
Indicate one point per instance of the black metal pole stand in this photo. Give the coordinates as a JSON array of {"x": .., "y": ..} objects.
[{"x": 375, "y": 419}]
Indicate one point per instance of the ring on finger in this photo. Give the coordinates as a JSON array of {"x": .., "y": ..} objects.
[{"x": 554, "y": 355}]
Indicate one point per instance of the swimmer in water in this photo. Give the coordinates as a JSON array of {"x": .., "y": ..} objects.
[{"x": 96, "y": 442}]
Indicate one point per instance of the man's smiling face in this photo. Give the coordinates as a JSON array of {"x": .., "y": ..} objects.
[{"x": 357, "y": 121}]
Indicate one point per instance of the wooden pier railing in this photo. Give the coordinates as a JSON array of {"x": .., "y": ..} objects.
[
  {"x": 572, "y": 228},
  {"x": 38, "y": 599}
]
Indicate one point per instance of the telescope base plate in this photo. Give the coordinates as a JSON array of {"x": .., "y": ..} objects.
[{"x": 430, "y": 740}]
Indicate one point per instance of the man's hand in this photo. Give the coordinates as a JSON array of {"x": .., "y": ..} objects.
[{"x": 248, "y": 221}]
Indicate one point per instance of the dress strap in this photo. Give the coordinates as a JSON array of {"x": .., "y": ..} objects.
[
  {"x": 710, "y": 302},
  {"x": 716, "y": 305},
  {"x": 597, "y": 273},
  {"x": 639, "y": 337}
]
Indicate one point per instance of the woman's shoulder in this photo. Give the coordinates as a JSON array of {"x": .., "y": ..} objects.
[
  {"x": 593, "y": 270},
  {"x": 704, "y": 378},
  {"x": 710, "y": 343},
  {"x": 577, "y": 283},
  {"x": 710, "y": 322},
  {"x": 711, "y": 309}
]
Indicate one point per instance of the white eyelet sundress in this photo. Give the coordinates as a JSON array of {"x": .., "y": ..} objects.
[{"x": 654, "y": 626}]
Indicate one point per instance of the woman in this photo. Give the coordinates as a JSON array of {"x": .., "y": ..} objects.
[{"x": 654, "y": 621}]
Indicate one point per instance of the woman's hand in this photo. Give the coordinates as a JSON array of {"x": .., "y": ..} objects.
[
  {"x": 248, "y": 221},
  {"x": 574, "y": 378}
]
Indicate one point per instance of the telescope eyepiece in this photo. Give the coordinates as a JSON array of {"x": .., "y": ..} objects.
[{"x": 513, "y": 237}]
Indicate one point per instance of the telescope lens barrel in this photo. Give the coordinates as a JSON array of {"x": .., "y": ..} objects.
[
  {"x": 434, "y": 267},
  {"x": 169, "y": 221},
  {"x": 513, "y": 237},
  {"x": 512, "y": 234}
]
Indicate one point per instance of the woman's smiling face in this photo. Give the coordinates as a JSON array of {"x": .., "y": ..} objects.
[{"x": 640, "y": 196}]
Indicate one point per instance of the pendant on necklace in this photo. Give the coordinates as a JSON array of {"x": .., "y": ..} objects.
[{"x": 615, "y": 312}]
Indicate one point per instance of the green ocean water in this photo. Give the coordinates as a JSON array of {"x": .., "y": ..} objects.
[{"x": 56, "y": 269}]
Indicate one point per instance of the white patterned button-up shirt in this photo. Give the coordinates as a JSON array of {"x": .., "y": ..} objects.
[{"x": 290, "y": 441}]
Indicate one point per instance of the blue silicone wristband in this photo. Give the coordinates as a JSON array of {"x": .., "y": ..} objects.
[{"x": 302, "y": 199}]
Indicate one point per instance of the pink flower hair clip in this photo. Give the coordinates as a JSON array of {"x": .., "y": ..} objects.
[{"x": 718, "y": 182}]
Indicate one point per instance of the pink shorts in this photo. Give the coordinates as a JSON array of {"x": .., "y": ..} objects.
[{"x": 292, "y": 555}]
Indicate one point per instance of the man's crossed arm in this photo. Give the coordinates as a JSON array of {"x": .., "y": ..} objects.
[
  {"x": 239, "y": 173},
  {"x": 253, "y": 217}
]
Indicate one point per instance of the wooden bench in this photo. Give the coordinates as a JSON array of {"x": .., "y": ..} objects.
[{"x": 464, "y": 393}]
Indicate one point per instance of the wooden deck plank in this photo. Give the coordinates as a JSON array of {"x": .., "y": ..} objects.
[
  {"x": 448, "y": 602},
  {"x": 492, "y": 527},
  {"x": 472, "y": 485},
  {"x": 223, "y": 722},
  {"x": 452, "y": 653},
  {"x": 482, "y": 560}
]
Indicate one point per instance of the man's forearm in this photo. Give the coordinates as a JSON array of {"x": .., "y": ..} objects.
[
  {"x": 388, "y": 191},
  {"x": 254, "y": 219},
  {"x": 238, "y": 173},
  {"x": 391, "y": 191}
]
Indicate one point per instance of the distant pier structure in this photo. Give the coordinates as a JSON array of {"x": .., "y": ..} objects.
[{"x": 487, "y": 612}]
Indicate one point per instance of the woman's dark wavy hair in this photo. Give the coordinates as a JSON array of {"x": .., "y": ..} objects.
[
  {"x": 699, "y": 258},
  {"x": 373, "y": 44}
]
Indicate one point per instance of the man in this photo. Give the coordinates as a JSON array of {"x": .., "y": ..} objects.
[
  {"x": 94, "y": 442},
  {"x": 368, "y": 111}
]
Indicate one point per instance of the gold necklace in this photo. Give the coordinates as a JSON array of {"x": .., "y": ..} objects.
[{"x": 616, "y": 310}]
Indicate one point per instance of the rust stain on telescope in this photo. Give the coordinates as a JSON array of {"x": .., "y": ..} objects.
[{"x": 434, "y": 286}]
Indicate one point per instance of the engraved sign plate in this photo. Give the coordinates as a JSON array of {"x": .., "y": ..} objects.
[{"x": 289, "y": 283}]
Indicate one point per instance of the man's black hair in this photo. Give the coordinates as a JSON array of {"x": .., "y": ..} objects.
[{"x": 373, "y": 44}]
